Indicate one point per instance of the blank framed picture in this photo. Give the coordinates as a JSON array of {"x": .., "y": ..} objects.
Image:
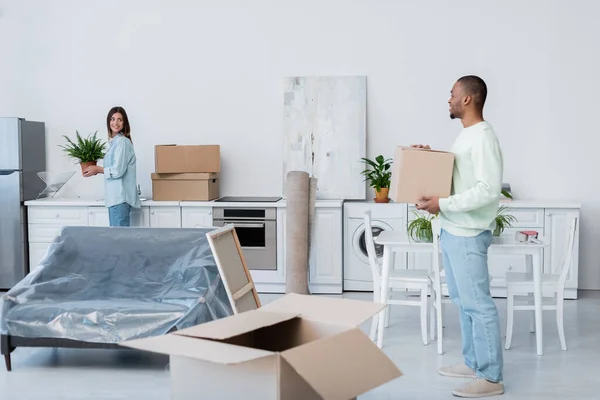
[{"x": 234, "y": 272}]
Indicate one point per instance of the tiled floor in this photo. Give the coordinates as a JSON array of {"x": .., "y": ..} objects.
[{"x": 107, "y": 374}]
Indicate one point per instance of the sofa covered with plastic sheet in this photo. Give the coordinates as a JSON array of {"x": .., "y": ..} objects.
[{"x": 98, "y": 286}]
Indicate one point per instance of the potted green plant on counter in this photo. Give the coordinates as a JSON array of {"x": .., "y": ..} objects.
[
  {"x": 379, "y": 177},
  {"x": 503, "y": 221},
  {"x": 419, "y": 229},
  {"x": 87, "y": 151}
]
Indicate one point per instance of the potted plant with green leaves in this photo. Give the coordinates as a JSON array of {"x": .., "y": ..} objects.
[
  {"x": 379, "y": 177},
  {"x": 506, "y": 194},
  {"x": 503, "y": 221},
  {"x": 86, "y": 150},
  {"x": 419, "y": 229}
]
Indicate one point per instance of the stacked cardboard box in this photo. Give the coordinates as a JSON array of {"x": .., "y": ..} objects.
[{"x": 186, "y": 173}]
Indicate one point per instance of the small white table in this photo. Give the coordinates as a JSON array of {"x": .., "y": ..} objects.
[{"x": 395, "y": 241}]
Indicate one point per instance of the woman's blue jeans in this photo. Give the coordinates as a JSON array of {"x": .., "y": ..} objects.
[{"x": 119, "y": 215}]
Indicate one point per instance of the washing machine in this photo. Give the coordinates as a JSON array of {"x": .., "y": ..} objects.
[{"x": 384, "y": 217}]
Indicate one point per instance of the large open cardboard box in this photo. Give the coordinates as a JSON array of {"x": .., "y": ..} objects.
[
  {"x": 170, "y": 158},
  {"x": 185, "y": 187},
  {"x": 420, "y": 172},
  {"x": 297, "y": 347}
]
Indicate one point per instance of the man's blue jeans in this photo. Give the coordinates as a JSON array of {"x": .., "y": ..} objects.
[
  {"x": 119, "y": 215},
  {"x": 466, "y": 266}
]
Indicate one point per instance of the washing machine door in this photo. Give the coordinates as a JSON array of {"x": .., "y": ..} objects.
[{"x": 359, "y": 245}]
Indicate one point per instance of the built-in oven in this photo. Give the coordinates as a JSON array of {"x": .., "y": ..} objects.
[{"x": 256, "y": 229}]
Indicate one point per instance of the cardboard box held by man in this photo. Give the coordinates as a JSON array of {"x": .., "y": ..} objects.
[{"x": 420, "y": 172}]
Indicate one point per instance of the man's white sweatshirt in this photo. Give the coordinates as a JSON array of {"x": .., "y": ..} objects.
[{"x": 476, "y": 182}]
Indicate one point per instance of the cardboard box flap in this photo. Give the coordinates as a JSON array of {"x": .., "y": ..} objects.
[
  {"x": 235, "y": 325},
  {"x": 328, "y": 310},
  {"x": 184, "y": 346},
  {"x": 349, "y": 364},
  {"x": 419, "y": 149}
]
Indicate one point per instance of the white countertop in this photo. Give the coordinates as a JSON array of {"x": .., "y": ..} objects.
[
  {"x": 153, "y": 203},
  {"x": 278, "y": 204},
  {"x": 537, "y": 204},
  {"x": 64, "y": 202},
  {"x": 250, "y": 204},
  {"x": 91, "y": 202},
  {"x": 541, "y": 204}
]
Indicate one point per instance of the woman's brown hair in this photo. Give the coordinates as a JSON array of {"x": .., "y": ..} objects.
[{"x": 126, "y": 127}]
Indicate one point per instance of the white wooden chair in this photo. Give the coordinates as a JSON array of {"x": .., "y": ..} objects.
[
  {"x": 553, "y": 285},
  {"x": 415, "y": 279}
]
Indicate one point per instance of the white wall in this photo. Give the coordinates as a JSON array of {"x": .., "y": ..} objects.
[{"x": 210, "y": 72}]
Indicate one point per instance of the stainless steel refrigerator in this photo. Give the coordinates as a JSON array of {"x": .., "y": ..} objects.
[{"x": 22, "y": 156}]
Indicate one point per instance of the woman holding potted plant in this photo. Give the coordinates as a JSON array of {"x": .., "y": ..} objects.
[{"x": 119, "y": 169}]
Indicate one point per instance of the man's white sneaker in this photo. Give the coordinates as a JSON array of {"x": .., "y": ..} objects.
[
  {"x": 479, "y": 387},
  {"x": 457, "y": 371}
]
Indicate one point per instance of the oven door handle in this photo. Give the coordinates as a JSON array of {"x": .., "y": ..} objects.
[{"x": 245, "y": 225}]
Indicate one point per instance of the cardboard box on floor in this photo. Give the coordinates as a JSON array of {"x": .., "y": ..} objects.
[
  {"x": 420, "y": 172},
  {"x": 170, "y": 158},
  {"x": 185, "y": 187},
  {"x": 296, "y": 347}
]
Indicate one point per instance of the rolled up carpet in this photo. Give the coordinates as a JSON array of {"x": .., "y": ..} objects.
[{"x": 297, "y": 211}]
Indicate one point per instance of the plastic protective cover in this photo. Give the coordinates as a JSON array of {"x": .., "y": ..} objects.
[{"x": 111, "y": 284}]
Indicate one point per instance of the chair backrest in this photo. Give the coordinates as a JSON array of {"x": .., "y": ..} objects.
[
  {"x": 370, "y": 244},
  {"x": 567, "y": 259},
  {"x": 437, "y": 268}
]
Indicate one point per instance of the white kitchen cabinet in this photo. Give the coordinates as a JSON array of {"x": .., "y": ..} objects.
[
  {"x": 281, "y": 241},
  {"x": 43, "y": 233},
  {"x": 196, "y": 217},
  {"x": 45, "y": 223},
  {"x": 140, "y": 217},
  {"x": 37, "y": 251},
  {"x": 165, "y": 217},
  {"x": 98, "y": 216},
  {"x": 58, "y": 215},
  {"x": 326, "y": 257},
  {"x": 527, "y": 217}
]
